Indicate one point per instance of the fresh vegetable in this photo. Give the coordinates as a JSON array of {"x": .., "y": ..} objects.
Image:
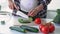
[
  {"x": 51, "y": 28},
  {"x": 56, "y": 20},
  {"x": 31, "y": 29},
  {"x": 30, "y": 19},
  {"x": 17, "y": 28},
  {"x": 23, "y": 21},
  {"x": 47, "y": 27},
  {"x": 58, "y": 11},
  {"x": 37, "y": 21},
  {"x": 40, "y": 27}
]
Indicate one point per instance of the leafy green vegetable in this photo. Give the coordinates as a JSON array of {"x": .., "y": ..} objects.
[
  {"x": 57, "y": 18},
  {"x": 58, "y": 11}
]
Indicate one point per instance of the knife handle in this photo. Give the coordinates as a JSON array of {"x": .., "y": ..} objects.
[{"x": 23, "y": 11}]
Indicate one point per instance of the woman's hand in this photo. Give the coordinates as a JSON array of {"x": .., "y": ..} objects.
[
  {"x": 12, "y": 5},
  {"x": 34, "y": 12}
]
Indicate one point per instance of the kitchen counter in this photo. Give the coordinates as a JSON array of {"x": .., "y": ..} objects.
[{"x": 12, "y": 20}]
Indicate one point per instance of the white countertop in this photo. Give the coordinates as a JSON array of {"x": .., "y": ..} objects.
[{"x": 4, "y": 29}]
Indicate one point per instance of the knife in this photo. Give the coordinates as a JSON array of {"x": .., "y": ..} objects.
[{"x": 20, "y": 13}]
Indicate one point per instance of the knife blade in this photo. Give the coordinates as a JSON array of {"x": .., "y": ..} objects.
[{"x": 20, "y": 13}]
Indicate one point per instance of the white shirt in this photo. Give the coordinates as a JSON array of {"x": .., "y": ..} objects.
[{"x": 27, "y": 5}]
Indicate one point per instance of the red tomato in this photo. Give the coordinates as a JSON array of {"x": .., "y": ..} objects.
[
  {"x": 40, "y": 26},
  {"x": 45, "y": 29},
  {"x": 51, "y": 28},
  {"x": 38, "y": 21}
]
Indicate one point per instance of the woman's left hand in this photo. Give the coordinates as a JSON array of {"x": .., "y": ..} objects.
[{"x": 34, "y": 12}]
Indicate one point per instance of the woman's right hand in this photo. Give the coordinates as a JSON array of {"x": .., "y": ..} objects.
[{"x": 12, "y": 5}]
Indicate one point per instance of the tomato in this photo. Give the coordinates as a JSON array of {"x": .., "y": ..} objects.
[
  {"x": 45, "y": 29},
  {"x": 37, "y": 21},
  {"x": 40, "y": 26},
  {"x": 51, "y": 28}
]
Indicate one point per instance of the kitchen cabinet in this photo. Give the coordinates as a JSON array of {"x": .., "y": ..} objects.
[{"x": 4, "y": 29}]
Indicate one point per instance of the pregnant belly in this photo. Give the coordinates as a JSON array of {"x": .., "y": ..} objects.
[{"x": 27, "y": 5}]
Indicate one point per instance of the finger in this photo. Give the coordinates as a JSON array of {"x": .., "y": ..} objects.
[
  {"x": 32, "y": 12},
  {"x": 11, "y": 6},
  {"x": 31, "y": 15},
  {"x": 16, "y": 6},
  {"x": 29, "y": 12}
]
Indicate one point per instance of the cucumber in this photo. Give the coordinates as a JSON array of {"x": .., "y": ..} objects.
[
  {"x": 23, "y": 21},
  {"x": 20, "y": 20},
  {"x": 30, "y": 29},
  {"x": 31, "y": 19},
  {"x": 17, "y": 28}
]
